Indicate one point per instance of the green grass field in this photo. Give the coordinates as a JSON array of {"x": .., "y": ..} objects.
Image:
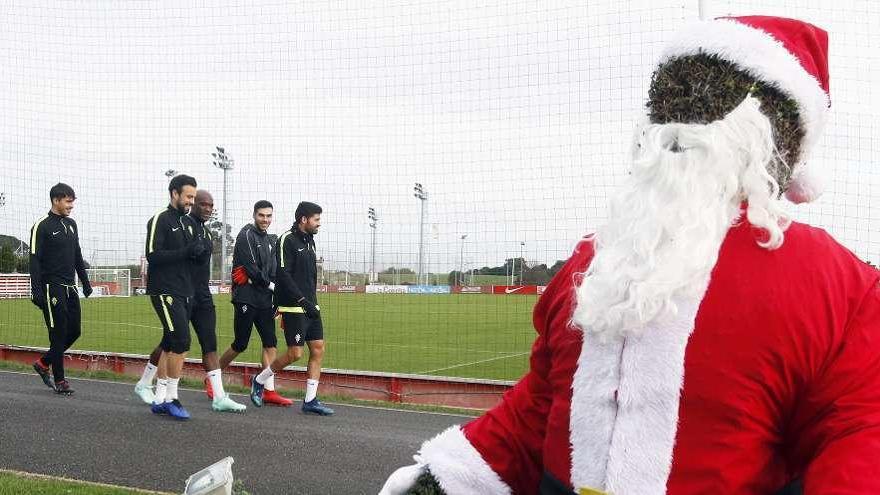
[
  {"x": 12, "y": 483},
  {"x": 468, "y": 335}
]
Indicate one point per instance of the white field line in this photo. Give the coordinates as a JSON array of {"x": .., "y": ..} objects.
[{"x": 462, "y": 365}]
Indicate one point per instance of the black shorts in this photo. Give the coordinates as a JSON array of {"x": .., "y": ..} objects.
[
  {"x": 204, "y": 321},
  {"x": 299, "y": 328},
  {"x": 247, "y": 317},
  {"x": 174, "y": 312}
]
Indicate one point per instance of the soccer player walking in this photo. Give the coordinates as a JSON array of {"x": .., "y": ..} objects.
[
  {"x": 296, "y": 298},
  {"x": 203, "y": 316},
  {"x": 171, "y": 247},
  {"x": 253, "y": 276},
  {"x": 55, "y": 256}
]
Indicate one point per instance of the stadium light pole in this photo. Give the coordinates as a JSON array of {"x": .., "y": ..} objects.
[
  {"x": 422, "y": 195},
  {"x": 374, "y": 219},
  {"x": 224, "y": 163},
  {"x": 522, "y": 262},
  {"x": 461, "y": 259}
]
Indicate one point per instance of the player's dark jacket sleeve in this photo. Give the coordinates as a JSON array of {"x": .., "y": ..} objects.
[
  {"x": 209, "y": 246},
  {"x": 245, "y": 252},
  {"x": 38, "y": 241},
  {"x": 80, "y": 263},
  {"x": 285, "y": 257},
  {"x": 156, "y": 233}
]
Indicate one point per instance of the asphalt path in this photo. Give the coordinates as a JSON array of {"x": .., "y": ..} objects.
[{"x": 103, "y": 433}]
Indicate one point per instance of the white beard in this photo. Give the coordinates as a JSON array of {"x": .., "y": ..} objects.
[{"x": 666, "y": 226}]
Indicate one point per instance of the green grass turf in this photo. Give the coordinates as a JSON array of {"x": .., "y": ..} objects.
[
  {"x": 12, "y": 483},
  {"x": 466, "y": 335}
]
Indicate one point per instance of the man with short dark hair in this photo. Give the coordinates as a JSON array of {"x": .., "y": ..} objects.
[
  {"x": 253, "y": 275},
  {"x": 170, "y": 249},
  {"x": 203, "y": 316},
  {"x": 297, "y": 301},
  {"x": 55, "y": 256}
]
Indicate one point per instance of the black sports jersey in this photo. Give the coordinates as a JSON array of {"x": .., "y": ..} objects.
[
  {"x": 253, "y": 252},
  {"x": 55, "y": 252},
  {"x": 200, "y": 268},
  {"x": 169, "y": 233},
  {"x": 297, "y": 274}
]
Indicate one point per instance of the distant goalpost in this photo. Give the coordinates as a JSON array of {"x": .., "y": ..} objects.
[{"x": 110, "y": 282}]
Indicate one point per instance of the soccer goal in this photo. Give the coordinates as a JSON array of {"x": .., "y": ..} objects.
[{"x": 110, "y": 281}]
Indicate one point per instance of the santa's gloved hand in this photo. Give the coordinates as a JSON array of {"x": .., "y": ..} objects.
[{"x": 403, "y": 479}]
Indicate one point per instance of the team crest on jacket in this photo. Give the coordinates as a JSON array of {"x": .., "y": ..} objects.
[
  {"x": 169, "y": 300},
  {"x": 54, "y": 301}
]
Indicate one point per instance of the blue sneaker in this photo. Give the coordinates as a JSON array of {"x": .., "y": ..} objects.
[
  {"x": 176, "y": 410},
  {"x": 314, "y": 406},
  {"x": 159, "y": 408},
  {"x": 257, "y": 392}
]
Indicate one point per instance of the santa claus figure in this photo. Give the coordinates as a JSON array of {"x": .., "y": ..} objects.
[{"x": 700, "y": 342}]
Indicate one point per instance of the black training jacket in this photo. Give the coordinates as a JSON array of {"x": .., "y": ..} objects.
[
  {"x": 254, "y": 252},
  {"x": 297, "y": 268},
  {"x": 169, "y": 233},
  {"x": 55, "y": 253},
  {"x": 200, "y": 268}
]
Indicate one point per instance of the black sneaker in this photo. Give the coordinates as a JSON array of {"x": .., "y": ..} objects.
[
  {"x": 44, "y": 373},
  {"x": 63, "y": 388}
]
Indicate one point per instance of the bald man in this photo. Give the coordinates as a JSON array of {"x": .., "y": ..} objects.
[{"x": 203, "y": 318}]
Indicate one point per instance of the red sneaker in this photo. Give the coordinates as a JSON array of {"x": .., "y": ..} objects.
[
  {"x": 209, "y": 390},
  {"x": 274, "y": 398}
]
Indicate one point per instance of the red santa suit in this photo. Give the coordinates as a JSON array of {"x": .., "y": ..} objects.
[{"x": 774, "y": 374}]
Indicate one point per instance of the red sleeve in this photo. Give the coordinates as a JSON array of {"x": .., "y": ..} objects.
[
  {"x": 839, "y": 444},
  {"x": 510, "y": 437}
]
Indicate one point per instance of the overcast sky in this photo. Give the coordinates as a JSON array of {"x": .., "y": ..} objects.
[{"x": 515, "y": 116}]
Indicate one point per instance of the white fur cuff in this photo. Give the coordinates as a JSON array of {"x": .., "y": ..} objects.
[{"x": 458, "y": 466}]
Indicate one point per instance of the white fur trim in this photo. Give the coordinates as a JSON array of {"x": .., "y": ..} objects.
[
  {"x": 593, "y": 410},
  {"x": 458, "y": 466},
  {"x": 806, "y": 185},
  {"x": 624, "y": 444},
  {"x": 764, "y": 57},
  {"x": 651, "y": 379}
]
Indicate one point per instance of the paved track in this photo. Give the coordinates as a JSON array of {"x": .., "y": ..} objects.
[{"x": 104, "y": 433}]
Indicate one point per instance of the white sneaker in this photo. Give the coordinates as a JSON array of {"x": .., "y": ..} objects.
[
  {"x": 145, "y": 392},
  {"x": 225, "y": 404}
]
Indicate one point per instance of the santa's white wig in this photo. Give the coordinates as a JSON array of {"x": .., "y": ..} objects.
[{"x": 686, "y": 189}]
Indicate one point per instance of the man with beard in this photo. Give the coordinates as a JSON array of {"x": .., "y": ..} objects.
[
  {"x": 296, "y": 296},
  {"x": 170, "y": 249},
  {"x": 253, "y": 276},
  {"x": 701, "y": 341},
  {"x": 203, "y": 316}
]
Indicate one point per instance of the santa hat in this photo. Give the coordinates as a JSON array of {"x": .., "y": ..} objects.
[{"x": 789, "y": 54}]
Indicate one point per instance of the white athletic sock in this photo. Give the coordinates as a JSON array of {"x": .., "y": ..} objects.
[
  {"x": 171, "y": 394},
  {"x": 311, "y": 390},
  {"x": 270, "y": 382},
  {"x": 148, "y": 375},
  {"x": 161, "y": 390},
  {"x": 264, "y": 375},
  {"x": 216, "y": 379}
]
